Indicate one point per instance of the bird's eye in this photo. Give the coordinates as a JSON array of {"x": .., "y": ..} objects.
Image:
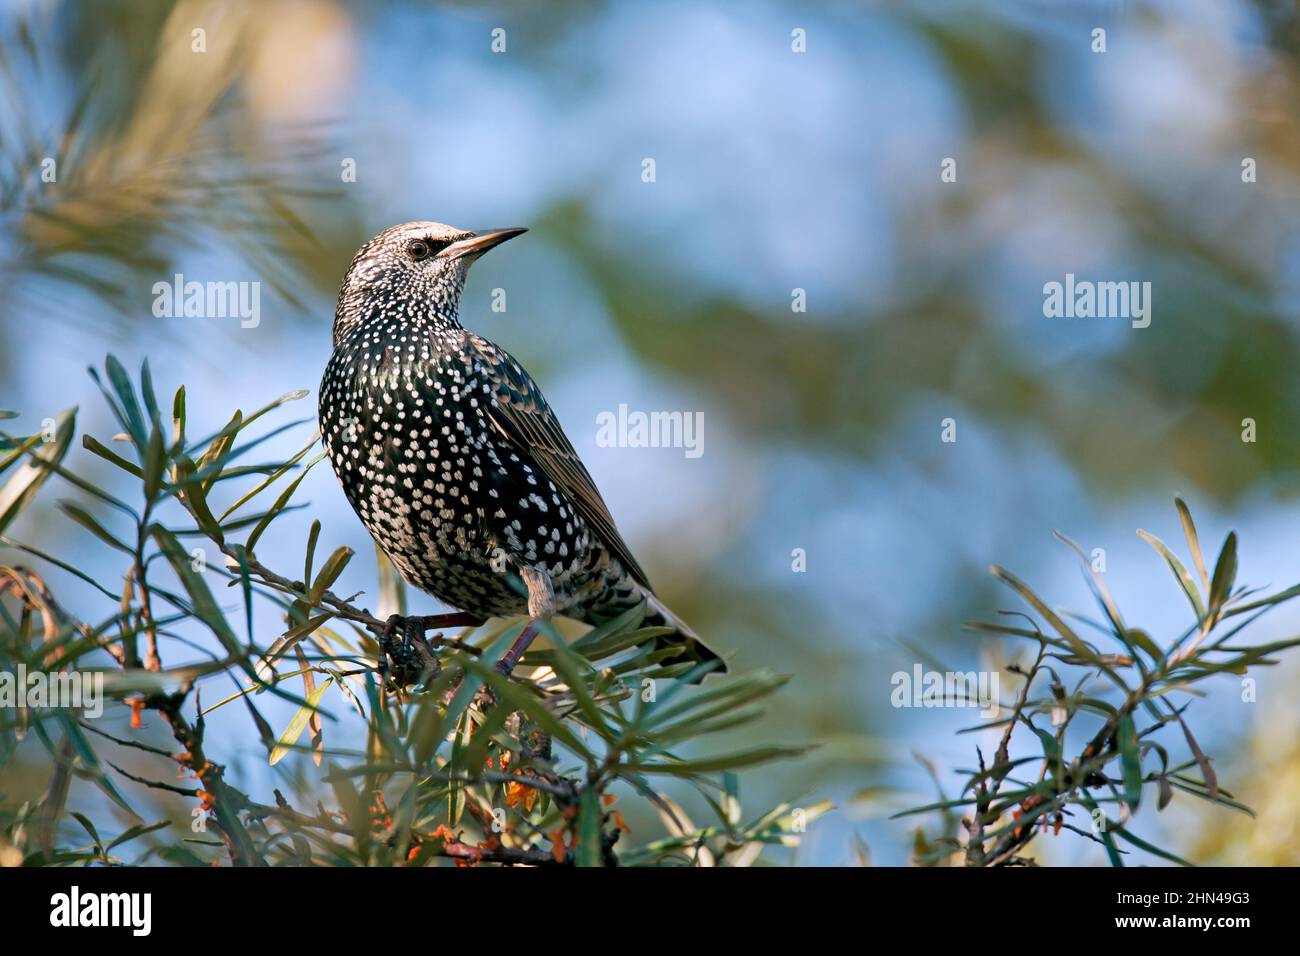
[{"x": 418, "y": 249}]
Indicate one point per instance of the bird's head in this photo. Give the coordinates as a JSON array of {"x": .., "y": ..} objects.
[{"x": 415, "y": 269}]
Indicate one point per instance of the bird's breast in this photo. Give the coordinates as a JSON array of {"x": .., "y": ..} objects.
[
  {"x": 451, "y": 501},
  {"x": 407, "y": 435}
]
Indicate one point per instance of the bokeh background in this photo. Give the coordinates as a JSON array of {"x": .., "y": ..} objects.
[{"x": 776, "y": 170}]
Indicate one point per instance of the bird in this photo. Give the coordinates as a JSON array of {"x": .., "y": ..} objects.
[{"x": 456, "y": 464}]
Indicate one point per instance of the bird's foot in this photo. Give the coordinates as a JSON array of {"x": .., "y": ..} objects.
[
  {"x": 507, "y": 663},
  {"x": 405, "y": 656}
]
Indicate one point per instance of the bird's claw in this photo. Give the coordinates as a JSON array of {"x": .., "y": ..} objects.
[{"x": 404, "y": 662}]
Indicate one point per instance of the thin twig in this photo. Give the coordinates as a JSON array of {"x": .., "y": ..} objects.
[{"x": 155, "y": 784}]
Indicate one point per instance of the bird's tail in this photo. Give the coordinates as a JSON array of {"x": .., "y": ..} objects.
[{"x": 693, "y": 650}]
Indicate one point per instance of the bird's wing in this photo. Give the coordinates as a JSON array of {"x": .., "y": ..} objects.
[{"x": 522, "y": 415}]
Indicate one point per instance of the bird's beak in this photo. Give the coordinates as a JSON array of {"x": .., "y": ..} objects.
[{"x": 481, "y": 242}]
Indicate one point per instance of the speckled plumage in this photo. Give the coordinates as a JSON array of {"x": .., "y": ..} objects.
[{"x": 450, "y": 454}]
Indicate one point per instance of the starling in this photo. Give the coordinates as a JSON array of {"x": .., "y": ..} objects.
[{"x": 454, "y": 461}]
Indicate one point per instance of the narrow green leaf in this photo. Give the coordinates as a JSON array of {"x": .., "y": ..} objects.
[
  {"x": 1112, "y": 851},
  {"x": 276, "y": 509},
  {"x": 195, "y": 499},
  {"x": 1099, "y": 590},
  {"x": 60, "y": 564},
  {"x": 1130, "y": 760},
  {"x": 329, "y": 573},
  {"x": 1166, "y": 791},
  {"x": 148, "y": 395},
  {"x": 155, "y": 460},
  {"x": 1202, "y": 761},
  {"x": 299, "y": 723},
  {"x": 88, "y": 521},
  {"x": 121, "y": 382},
  {"x": 138, "y": 830},
  {"x": 90, "y": 761},
  {"x": 93, "y": 445},
  {"x": 628, "y": 620},
  {"x": 731, "y": 761},
  {"x": 515, "y": 697},
  {"x": 1072, "y": 639},
  {"x": 312, "y": 537},
  {"x": 178, "y": 419},
  {"x": 590, "y": 814},
  {"x": 1193, "y": 541},
  {"x": 605, "y": 648},
  {"x": 1225, "y": 575},
  {"x": 1180, "y": 572},
  {"x": 88, "y": 827},
  {"x": 208, "y": 463},
  {"x": 19, "y": 488},
  {"x": 274, "y": 476},
  {"x": 392, "y": 589},
  {"x": 16, "y": 449},
  {"x": 1124, "y": 834},
  {"x": 200, "y": 595},
  {"x": 570, "y": 669}
]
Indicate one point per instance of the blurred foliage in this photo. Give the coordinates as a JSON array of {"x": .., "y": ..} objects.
[
  {"x": 1266, "y": 773},
  {"x": 1068, "y": 685},
  {"x": 460, "y": 761},
  {"x": 107, "y": 173},
  {"x": 161, "y": 156},
  {"x": 159, "y": 150}
]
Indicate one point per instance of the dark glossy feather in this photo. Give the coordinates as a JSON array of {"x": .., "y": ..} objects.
[{"x": 525, "y": 419}]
